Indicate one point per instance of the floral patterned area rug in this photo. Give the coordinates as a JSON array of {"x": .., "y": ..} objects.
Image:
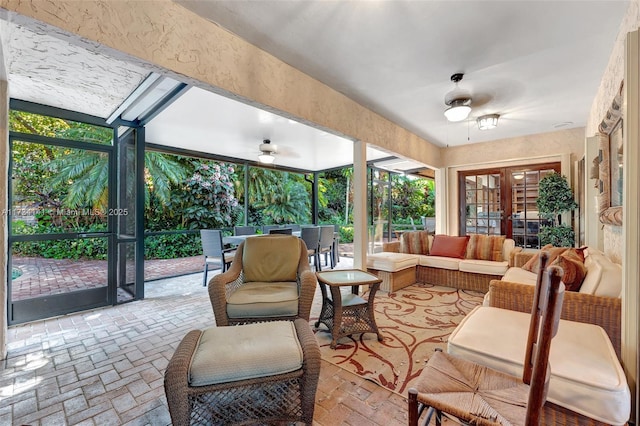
[{"x": 414, "y": 321}]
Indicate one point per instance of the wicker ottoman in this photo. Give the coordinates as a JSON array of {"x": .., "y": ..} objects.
[
  {"x": 396, "y": 270},
  {"x": 256, "y": 373}
]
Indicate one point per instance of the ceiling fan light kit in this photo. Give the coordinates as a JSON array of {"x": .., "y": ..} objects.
[
  {"x": 267, "y": 150},
  {"x": 459, "y": 102},
  {"x": 488, "y": 122}
]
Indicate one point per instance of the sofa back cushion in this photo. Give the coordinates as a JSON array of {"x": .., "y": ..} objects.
[
  {"x": 604, "y": 278},
  {"x": 414, "y": 242},
  {"x": 271, "y": 258},
  {"x": 448, "y": 246},
  {"x": 508, "y": 246},
  {"x": 485, "y": 247}
]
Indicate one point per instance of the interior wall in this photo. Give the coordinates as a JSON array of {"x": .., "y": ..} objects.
[
  {"x": 609, "y": 87},
  {"x": 565, "y": 146}
]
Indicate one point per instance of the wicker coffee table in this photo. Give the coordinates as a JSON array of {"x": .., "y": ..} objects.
[{"x": 347, "y": 314}]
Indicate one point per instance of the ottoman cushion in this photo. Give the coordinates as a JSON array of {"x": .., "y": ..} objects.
[
  {"x": 391, "y": 262},
  {"x": 228, "y": 354}
]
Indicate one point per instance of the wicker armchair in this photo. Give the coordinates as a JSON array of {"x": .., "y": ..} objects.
[{"x": 269, "y": 279}]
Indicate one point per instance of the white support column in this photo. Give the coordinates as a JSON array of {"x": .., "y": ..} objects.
[
  {"x": 442, "y": 201},
  {"x": 631, "y": 218},
  {"x": 360, "y": 205},
  {"x": 592, "y": 227}
]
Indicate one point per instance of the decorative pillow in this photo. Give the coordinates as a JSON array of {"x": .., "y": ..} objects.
[
  {"x": 414, "y": 242},
  {"x": 485, "y": 247},
  {"x": 447, "y": 246},
  {"x": 574, "y": 271},
  {"x": 554, "y": 252}
]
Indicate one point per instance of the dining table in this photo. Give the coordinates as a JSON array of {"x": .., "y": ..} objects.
[{"x": 235, "y": 240}]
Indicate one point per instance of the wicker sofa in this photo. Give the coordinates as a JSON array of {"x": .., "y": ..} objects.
[
  {"x": 467, "y": 272},
  {"x": 597, "y": 302}
]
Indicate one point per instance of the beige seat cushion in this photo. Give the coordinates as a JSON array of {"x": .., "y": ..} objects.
[
  {"x": 519, "y": 275},
  {"x": 271, "y": 258},
  {"x": 391, "y": 262},
  {"x": 440, "y": 262},
  {"x": 228, "y": 354},
  {"x": 258, "y": 299},
  {"x": 487, "y": 267},
  {"x": 586, "y": 376}
]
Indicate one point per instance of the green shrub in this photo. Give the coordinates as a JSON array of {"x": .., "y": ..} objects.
[
  {"x": 346, "y": 234},
  {"x": 172, "y": 246}
]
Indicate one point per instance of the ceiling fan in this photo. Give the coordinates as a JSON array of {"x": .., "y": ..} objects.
[
  {"x": 267, "y": 150},
  {"x": 458, "y": 101}
]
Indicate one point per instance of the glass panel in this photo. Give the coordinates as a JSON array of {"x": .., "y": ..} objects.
[
  {"x": 49, "y": 267},
  {"x": 26, "y": 122},
  {"x": 126, "y": 271},
  {"x": 57, "y": 190}
]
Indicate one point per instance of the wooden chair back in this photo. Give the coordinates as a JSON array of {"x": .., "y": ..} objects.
[{"x": 545, "y": 318}]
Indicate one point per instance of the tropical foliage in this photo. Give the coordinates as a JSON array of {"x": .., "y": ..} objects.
[{"x": 180, "y": 193}]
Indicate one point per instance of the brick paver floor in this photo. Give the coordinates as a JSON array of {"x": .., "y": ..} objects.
[{"x": 106, "y": 366}]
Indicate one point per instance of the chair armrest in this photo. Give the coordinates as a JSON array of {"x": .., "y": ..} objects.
[
  {"x": 602, "y": 311},
  {"x": 512, "y": 255},
  {"x": 393, "y": 246},
  {"x": 307, "y": 283},
  {"x": 522, "y": 257},
  {"x": 221, "y": 286}
]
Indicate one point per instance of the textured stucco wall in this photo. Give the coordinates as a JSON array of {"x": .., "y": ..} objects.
[
  {"x": 163, "y": 34},
  {"x": 609, "y": 86},
  {"x": 569, "y": 141}
]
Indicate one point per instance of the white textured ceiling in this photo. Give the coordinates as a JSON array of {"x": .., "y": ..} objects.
[{"x": 536, "y": 63}]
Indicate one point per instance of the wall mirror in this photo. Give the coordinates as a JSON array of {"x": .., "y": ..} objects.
[{"x": 610, "y": 164}]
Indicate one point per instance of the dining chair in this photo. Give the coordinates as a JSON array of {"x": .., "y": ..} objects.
[
  {"x": 214, "y": 251},
  {"x": 267, "y": 228},
  {"x": 327, "y": 246},
  {"x": 294, "y": 227},
  {"x": 311, "y": 237},
  {"x": 282, "y": 231},
  {"x": 244, "y": 230},
  {"x": 479, "y": 395}
]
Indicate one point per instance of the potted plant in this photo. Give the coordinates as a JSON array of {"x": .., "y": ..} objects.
[{"x": 554, "y": 198}]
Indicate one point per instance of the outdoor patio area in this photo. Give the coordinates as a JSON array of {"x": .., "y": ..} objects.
[{"x": 106, "y": 366}]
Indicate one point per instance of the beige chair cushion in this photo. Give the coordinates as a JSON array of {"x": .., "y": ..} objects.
[
  {"x": 263, "y": 299},
  {"x": 271, "y": 258},
  {"x": 439, "y": 262},
  {"x": 586, "y": 376},
  {"x": 228, "y": 354},
  {"x": 391, "y": 262},
  {"x": 487, "y": 267}
]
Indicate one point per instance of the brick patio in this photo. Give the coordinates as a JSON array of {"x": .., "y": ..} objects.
[{"x": 106, "y": 366}]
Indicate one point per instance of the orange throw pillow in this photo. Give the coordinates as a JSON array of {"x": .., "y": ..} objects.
[
  {"x": 447, "y": 246},
  {"x": 532, "y": 264},
  {"x": 574, "y": 271}
]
